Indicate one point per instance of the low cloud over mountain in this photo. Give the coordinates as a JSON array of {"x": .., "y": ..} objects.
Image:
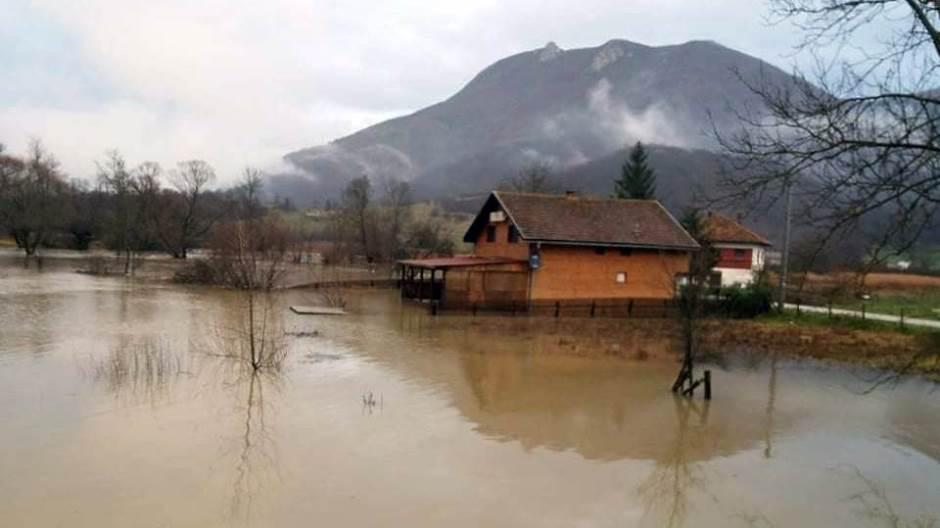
[{"x": 567, "y": 108}]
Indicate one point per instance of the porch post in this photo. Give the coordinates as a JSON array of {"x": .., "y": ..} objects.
[{"x": 421, "y": 286}]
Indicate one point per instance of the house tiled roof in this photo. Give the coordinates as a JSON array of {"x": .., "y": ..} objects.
[
  {"x": 578, "y": 220},
  {"x": 719, "y": 228}
]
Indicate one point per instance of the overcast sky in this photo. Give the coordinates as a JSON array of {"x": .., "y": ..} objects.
[{"x": 239, "y": 82}]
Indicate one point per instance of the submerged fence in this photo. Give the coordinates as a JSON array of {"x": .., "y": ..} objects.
[{"x": 640, "y": 308}]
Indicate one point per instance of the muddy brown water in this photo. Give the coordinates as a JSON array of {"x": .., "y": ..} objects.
[{"x": 388, "y": 417}]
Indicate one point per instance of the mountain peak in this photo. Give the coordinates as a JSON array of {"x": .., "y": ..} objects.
[
  {"x": 549, "y": 52},
  {"x": 609, "y": 54}
]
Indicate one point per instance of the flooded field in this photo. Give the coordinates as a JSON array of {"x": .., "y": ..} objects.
[{"x": 118, "y": 410}]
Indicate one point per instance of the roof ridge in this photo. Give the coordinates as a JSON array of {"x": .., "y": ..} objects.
[
  {"x": 739, "y": 225},
  {"x": 585, "y": 197}
]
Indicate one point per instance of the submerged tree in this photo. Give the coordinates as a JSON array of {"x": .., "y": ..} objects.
[
  {"x": 250, "y": 255},
  {"x": 692, "y": 296},
  {"x": 637, "y": 178}
]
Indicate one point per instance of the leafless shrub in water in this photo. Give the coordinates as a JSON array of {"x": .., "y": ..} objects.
[
  {"x": 328, "y": 288},
  {"x": 258, "y": 340},
  {"x": 369, "y": 403},
  {"x": 140, "y": 368},
  {"x": 254, "y": 251}
]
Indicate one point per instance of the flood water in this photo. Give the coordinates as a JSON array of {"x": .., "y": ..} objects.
[{"x": 388, "y": 417}]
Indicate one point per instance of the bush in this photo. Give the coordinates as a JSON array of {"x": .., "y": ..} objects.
[
  {"x": 745, "y": 302},
  {"x": 208, "y": 271}
]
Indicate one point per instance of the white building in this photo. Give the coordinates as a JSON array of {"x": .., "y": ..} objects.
[{"x": 741, "y": 252}]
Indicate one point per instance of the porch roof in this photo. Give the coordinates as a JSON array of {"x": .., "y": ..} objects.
[{"x": 459, "y": 261}]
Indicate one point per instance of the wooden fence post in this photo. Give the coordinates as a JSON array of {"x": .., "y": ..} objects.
[
  {"x": 593, "y": 305},
  {"x": 630, "y": 307},
  {"x": 708, "y": 384},
  {"x": 557, "y": 308}
]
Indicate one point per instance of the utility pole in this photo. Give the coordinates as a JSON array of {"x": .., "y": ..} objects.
[{"x": 785, "y": 262}]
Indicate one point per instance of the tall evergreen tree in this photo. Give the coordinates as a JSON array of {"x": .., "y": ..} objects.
[{"x": 637, "y": 178}]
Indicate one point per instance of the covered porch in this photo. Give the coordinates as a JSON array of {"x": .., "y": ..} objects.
[{"x": 426, "y": 280}]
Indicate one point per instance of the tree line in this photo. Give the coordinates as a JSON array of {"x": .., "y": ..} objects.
[
  {"x": 127, "y": 208},
  {"x": 132, "y": 208}
]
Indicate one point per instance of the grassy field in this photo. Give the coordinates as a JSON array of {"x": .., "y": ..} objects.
[
  {"x": 924, "y": 305},
  {"x": 890, "y": 293}
]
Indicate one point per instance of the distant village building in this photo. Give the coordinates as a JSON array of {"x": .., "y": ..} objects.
[
  {"x": 742, "y": 253},
  {"x": 536, "y": 248}
]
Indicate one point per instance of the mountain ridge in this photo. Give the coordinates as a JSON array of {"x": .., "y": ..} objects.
[{"x": 563, "y": 107}]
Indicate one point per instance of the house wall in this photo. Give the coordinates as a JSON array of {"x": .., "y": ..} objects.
[
  {"x": 501, "y": 247},
  {"x": 574, "y": 272},
  {"x": 494, "y": 284},
  {"x": 736, "y": 271},
  {"x": 577, "y": 272}
]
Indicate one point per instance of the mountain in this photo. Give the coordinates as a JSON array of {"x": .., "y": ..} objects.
[{"x": 569, "y": 108}]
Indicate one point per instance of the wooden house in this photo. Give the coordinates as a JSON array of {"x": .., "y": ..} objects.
[
  {"x": 536, "y": 248},
  {"x": 741, "y": 252}
]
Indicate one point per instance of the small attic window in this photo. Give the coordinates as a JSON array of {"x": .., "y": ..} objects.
[
  {"x": 621, "y": 277},
  {"x": 512, "y": 235},
  {"x": 491, "y": 233}
]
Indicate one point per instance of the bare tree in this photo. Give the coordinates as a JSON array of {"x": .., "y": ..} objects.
[
  {"x": 396, "y": 201},
  {"x": 117, "y": 179},
  {"x": 357, "y": 198},
  {"x": 858, "y": 146},
  {"x": 533, "y": 178},
  {"x": 250, "y": 255},
  {"x": 187, "y": 219},
  {"x": 147, "y": 194},
  {"x": 248, "y": 194},
  {"x": 11, "y": 172},
  {"x": 32, "y": 191}
]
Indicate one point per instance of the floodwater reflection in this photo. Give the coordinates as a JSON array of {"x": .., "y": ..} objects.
[
  {"x": 666, "y": 491},
  {"x": 256, "y": 461}
]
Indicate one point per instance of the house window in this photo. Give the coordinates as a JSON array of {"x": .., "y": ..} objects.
[
  {"x": 626, "y": 252},
  {"x": 600, "y": 250},
  {"x": 621, "y": 277},
  {"x": 740, "y": 253},
  {"x": 513, "y": 235},
  {"x": 491, "y": 233}
]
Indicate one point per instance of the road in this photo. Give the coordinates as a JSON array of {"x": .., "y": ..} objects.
[{"x": 912, "y": 321}]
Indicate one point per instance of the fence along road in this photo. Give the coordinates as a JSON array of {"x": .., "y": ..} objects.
[{"x": 912, "y": 321}]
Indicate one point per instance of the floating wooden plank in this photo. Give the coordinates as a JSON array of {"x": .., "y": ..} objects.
[{"x": 317, "y": 310}]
